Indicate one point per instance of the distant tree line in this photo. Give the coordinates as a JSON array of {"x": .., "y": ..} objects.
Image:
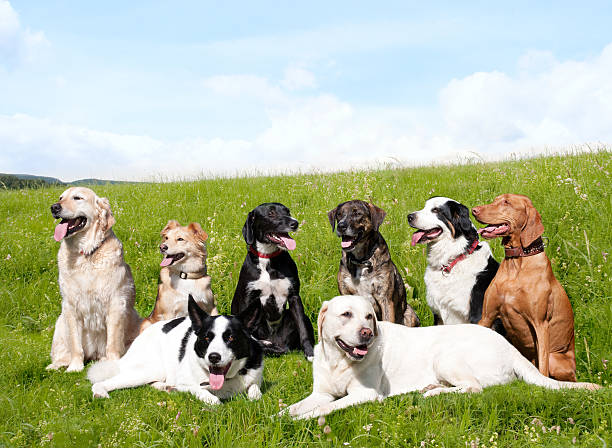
[{"x": 8, "y": 182}]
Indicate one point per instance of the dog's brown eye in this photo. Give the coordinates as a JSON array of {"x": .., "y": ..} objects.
[
  {"x": 369, "y": 316},
  {"x": 180, "y": 239},
  {"x": 435, "y": 210},
  {"x": 207, "y": 339},
  {"x": 230, "y": 339},
  {"x": 347, "y": 314},
  {"x": 77, "y": 198}
]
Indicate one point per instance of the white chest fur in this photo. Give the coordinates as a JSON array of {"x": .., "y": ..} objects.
[{"x": 268, "y": 287}]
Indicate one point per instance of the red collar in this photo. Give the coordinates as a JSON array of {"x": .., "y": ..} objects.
[
  {"x": 446, "y": 268},
  {"x": 260, "y": 255}
]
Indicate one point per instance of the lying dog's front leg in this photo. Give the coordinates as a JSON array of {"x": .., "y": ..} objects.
[
  {"x": 307, "y": 405},
  {"x": 200, "y": 392},
  {"x": 304, "y": 326},
  {"x": 356, "y": 397}
]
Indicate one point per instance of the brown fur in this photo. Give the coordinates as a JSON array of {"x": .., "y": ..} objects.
[
  {"x": 172, "y": 290},
  {"x": 525, "y": 294},
  {"x": 379, "y": 281}
]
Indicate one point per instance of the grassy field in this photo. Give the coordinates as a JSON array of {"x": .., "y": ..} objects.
[{"x": 38, "y": 407}]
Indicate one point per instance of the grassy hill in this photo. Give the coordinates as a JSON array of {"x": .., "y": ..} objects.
[
  {"x": 38, "y": 407},
  {"x": 20, "y": 181}
]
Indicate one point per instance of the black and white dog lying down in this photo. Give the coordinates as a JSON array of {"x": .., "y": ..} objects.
[
  {"x": 459, "y": 266},
  {"x": 212, "y": 357},
  {"x": 359, "y": 359},
  {"x": 267, "y": 296}
]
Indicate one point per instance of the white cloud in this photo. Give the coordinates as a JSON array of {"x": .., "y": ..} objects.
[
  {"x": 16, "y": 43},
  {"x": 548, "y": 103}
]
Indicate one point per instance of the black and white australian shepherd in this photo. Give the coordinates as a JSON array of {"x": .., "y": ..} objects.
[
  {"x": 212, "y": 357},
  {"x": 459, "y": 266}
]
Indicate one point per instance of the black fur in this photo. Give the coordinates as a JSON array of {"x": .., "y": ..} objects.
[
  {"x": 458, "y": 215},
  {"x": 290, "y": 328},
  {"x": 168, "y": 326},
  {"x": 184, "y": 343}
]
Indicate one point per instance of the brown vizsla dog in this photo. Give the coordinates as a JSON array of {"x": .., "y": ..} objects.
[{"x": 525, "y": 294}]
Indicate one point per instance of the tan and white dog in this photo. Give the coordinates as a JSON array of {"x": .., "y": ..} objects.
[
  {"x": 183, "y": 273},
  {"x": 98, "y": 319},
  {"x": 359, "y": 359}
]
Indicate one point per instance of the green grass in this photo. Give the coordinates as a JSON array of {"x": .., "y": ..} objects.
[{"x": 571, "y": 192}]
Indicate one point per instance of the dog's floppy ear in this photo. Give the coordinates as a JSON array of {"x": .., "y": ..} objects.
[
  {"x": 377, "y": 214},
  {"x": 196, "y": 314},
  {"x": 321, "y": 319},
  {"x": 375, "y": 325},
  {"x": 331, "y": 215},
  {"x": 106, "y": 220},
  {"x": 533, "y": 227},
  {"x": 197, "y": 230},
  {"x": 172, "y": 224},
  {"x": 247, "y": 229},
  {"x": 460, "y": 218}
]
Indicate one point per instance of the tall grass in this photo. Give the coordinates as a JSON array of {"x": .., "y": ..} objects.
[{"x": 572, "y": 194}]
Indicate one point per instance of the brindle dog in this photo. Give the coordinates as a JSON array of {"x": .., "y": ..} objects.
[{"x": 366, "y": 268}]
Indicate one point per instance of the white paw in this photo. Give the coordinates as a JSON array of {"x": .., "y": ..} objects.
[
  {"x": 53, "y": 366},
  {"x": 433, "y": 392},
  {"x": 75, "y": 366},
  {"x": 99, "y": 391},
  {"x": 310, "y": 358},
  {"x": 254, "y": 393},
  {"x": 209, "y": 398}
]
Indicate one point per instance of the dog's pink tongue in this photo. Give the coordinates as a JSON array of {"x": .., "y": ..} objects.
[
  {"x": 288, "y": 242},
  {"x": 167, "y": 261},
  {"x": 359, "y": 351},
  {"x": 488, "y": 229},
  {"x": 416, "y": 236},
  {"x": 216, "y": 381},
  {"x": 60, "y": 231},
  {"x": 346, "y": 243}
]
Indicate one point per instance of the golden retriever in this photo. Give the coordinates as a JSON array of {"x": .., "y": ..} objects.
[
  {"x": 98, "y": 319},
  {"x": 183, "y": 273}
]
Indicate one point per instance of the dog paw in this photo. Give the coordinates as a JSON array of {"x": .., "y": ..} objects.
[
  {"x": 75, "y": 366},
  {"x": 310, "y": 358},
  {"x": 53, "y": 366},
  {"x": 209, "y": 398},
  {"x": 99, "y": 391},
  {"x": 433, "y": 392},
  {"x": 253, "y": 392}
]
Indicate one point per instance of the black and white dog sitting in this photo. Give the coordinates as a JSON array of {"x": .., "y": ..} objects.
[
  {"x": 459, "y": 266},
  {"x": 212, "y": 357},
  {"x": 269, "y": 282}
]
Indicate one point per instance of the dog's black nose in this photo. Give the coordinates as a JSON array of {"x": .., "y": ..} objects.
[
  {"x": 214, "y": 357},
  {"x": 163, "y": 248},
  {"x": 56, "y": 208},
  {"x": 411, "y": 217},
  {"x": 342, "y": 225},
  {"x": 293, "y": 224}
]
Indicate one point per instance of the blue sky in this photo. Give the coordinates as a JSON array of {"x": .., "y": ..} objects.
[{"x": 140, "y": 90}]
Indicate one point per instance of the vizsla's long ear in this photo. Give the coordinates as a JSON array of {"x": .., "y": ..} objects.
[
  {"x": 321, "y": 319},
  {"x": 331, "y": 215},
  {"x": 171, "y": 225},
  {"x": 197, "y": 230},
  {"x": 377, "y": 214},
  {"x": 105, "y": 217},
  {"x": 533, "y": 227}
]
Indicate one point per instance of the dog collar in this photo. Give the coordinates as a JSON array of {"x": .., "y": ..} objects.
[
  {"x": 446, "y": 268},
  {"x": 193, "y": 275},
  {"x": 262, "y": 255},
  {"x": 537, "y": 247}
]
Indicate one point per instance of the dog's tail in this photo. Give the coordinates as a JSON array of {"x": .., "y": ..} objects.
[
  {"x": 102, "y": 370},
  {"x": 531, "y": 375}
]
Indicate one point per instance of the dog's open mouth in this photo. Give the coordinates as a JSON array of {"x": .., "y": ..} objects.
[
  {"x": 68, "y": 227},
  {"x": 357, "y": 352},
  {"x": 171, "y": 258},
  {"x": 349, "y": 241},
  {"x": 282, "y": 239},
  {"x": 494, "y": 230},
  {"x": 217, "y": 376},
  {"x": 422, "y": 236}
]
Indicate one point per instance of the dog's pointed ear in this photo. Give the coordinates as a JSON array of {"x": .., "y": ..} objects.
[
  {"x": 197, "y": 230},
  {"x": 533, "y": 228},
  {"x": 105, "y": 216},
  {"x": 196, "y": 314},
  {"x": 331, "y": 215},
  {"x": 172, "y": 224},
  {"x": 247, "y": 229},
  {"x": 321, "y": 319},
  {"x": 377, "y": 214}
]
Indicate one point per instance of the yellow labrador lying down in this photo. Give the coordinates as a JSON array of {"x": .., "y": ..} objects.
[{"x": 359, "y": 359}]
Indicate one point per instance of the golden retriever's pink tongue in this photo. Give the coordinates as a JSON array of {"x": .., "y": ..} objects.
[
  {"x": 416, "y": 236},
  {"x": 216, "y": 380},
  {"x": 359, "y": 351},
  {"x": 60, "y": 231},
  {"x": 167, "y": 261},
  {"x": 288, "y": 242}
]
